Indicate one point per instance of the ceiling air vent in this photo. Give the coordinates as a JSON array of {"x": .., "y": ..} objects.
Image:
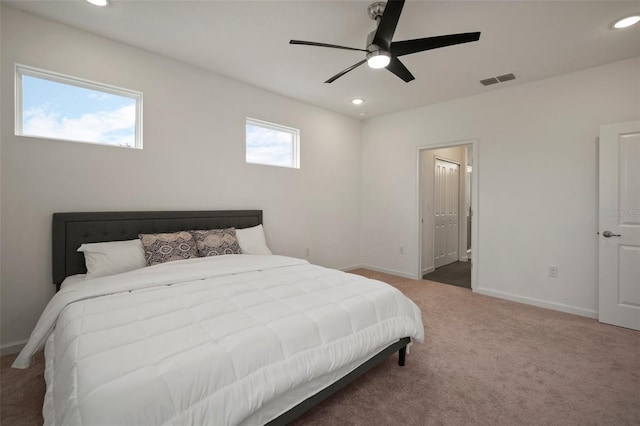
[
  {"x": 498, "y": 79},
  {"x": 489, "y": 81},
  {"x": 506, "y": 77}
]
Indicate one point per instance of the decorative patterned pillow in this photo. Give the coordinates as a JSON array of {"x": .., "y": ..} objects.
[
  {"x": 160, "y": 248},
  {"x": 216, "y": 242}
]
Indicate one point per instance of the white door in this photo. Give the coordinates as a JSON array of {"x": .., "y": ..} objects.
[
  {"x": 619, "y": 225},
  {"x": 446, "y": 207}
]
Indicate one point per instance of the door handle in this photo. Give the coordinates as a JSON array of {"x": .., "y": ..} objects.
[{"x": 609, "y": 234}]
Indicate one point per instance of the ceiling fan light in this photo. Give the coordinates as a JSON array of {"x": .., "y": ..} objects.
[
  {"x": 378, "y": 59},
  {"x": 626, "y": 22},
  {"x": 100, "y": 3}
]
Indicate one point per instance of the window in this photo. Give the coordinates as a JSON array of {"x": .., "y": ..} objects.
[
  {"x": 272, "y": 144},
  {"x": 56, "y": 106}
]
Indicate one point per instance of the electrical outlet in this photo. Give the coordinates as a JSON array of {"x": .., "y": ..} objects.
[
  {"x": 307, "y": 252},
  {"x": 552, "y": 272},
  {"x": 401, "y": 250}
]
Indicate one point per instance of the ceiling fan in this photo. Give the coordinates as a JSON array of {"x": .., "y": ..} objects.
[{"x": 382, "y": 52}]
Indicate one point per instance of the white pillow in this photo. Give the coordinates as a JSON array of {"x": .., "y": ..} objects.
[
  {"x": 112, "y": 258},
  {"x": 252, "y": 240}
]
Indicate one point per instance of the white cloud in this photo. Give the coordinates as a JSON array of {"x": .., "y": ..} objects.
[
  {"x": 115, "y": 127},
  {"x": 266, "y": 146},
  {"x": 280, "y": 156}
]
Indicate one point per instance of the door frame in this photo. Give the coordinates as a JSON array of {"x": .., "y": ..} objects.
[{"x": 475, "y": 211}]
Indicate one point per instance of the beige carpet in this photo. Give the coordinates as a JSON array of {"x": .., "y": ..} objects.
[{"x": 485, "y": 361}]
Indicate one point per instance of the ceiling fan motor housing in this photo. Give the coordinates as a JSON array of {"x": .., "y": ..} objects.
[
  {"x": 370, "y": 40},
  {"x": 376, "y": 10},
  {"x": 374, "y": 49}
]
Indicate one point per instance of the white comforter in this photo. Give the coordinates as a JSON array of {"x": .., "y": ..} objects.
[{"x": 209, "y": 340}]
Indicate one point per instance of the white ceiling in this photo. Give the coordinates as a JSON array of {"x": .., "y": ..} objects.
[{"x": 248, "y": 41}]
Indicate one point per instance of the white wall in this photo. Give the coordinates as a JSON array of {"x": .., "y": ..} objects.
[
  {"x": 193, "y": 158},
  {"x": 537, "y": 176}
]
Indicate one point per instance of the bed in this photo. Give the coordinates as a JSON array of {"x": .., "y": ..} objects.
[{"x": 237, "y": 339}]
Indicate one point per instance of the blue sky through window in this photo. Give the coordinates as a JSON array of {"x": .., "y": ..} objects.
[
  {"x": 63, "y": 111},
  {"x": 270, "y": 146}
]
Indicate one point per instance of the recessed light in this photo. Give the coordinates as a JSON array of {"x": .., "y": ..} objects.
[
  {"x": 626, "y": 22},
  {"x": 357, "y": 101},
  {"x": 98, "y": 2}
]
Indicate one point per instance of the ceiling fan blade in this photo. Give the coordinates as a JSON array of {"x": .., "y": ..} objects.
[
  {"x": 341, "y": 73},
  {"x": 334, "y": 46},
  {"x": 398, "y": 68},
  {"x": 406, "y": 47},
  {"x": 388, "y": 23}
]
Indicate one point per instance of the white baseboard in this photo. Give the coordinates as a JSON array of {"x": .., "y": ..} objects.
[
  {"x": 349, "y": 268},
  {"x": 539, "y": 302},
  {"x": 488, "y": 292},
  {"x": 12, "y": 347},
  {"x": 390, "y": 271},
  {"x": 377, "y": 269},
  {"x": 428, "y": 270}
]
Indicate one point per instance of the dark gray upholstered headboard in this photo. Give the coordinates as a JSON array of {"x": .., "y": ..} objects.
[{"x": 70, "y": 230}]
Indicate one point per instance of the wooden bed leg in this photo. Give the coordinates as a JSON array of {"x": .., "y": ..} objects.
[{"x": 402, "y": 353}]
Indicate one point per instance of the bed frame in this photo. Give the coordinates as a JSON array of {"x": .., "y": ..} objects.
[{"x": 70, "y": 230}]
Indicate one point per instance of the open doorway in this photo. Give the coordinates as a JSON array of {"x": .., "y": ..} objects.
[{"x": 447, "y": 188}]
